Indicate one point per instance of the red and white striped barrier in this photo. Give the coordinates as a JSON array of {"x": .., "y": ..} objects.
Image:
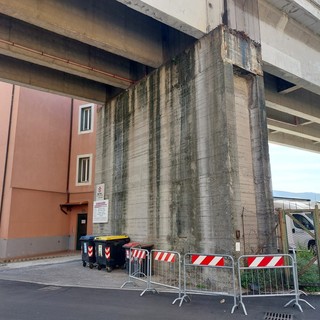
[
  {"x": 209, "y": 274},
  {"x": 138, "y": 266},
  {"x": 90, "y": 251},
  {"x": 138, "y": 253},
  {"x": 166, "y": 271},
  {"x": 215, "y": 274},
  {"x": 164, "y": 256},
  {"x": 265, "y": 261},
  {"x": 269, "y": 276},
  {"x": 207, "y": 260}
]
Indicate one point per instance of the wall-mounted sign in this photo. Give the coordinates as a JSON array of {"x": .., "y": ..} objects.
[
  {"x": 100, "y": 211},
  {"x": 100, "y": 191}
]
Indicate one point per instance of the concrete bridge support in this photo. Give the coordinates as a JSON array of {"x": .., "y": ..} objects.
[{"x": 184, "y": 153}]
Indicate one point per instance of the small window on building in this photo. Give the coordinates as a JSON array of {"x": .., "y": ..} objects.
[
  {"x": 84, "y": 164},
  {"x": 86, "y": 118}
]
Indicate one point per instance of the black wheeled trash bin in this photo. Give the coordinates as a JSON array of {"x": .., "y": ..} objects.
[
  {"x": 110, "y": 252},
  {"x": 88, "y": 250}
]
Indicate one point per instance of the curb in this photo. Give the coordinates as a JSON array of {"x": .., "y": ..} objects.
[{"x": 41, "y": 257}]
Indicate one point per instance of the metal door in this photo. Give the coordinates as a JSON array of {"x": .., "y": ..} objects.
[{"x": 81, "y": 228}]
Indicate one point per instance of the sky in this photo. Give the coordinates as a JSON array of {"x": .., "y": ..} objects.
[{"x": 294, "y": 170}]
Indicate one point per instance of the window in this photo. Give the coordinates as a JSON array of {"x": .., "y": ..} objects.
[
  {"x": 84, "y": 164},
  {"x": 86, "y": 118},
  {"x": 305, "y": 222}
]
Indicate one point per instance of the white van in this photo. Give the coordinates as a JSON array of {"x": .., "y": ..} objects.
[{"x": 298, "y": 238}]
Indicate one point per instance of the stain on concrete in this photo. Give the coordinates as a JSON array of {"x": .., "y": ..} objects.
[
  {"x": 184, "y": 170},
  {"x": 120, "y": 164},
  {"x": 154, "y": 155}
]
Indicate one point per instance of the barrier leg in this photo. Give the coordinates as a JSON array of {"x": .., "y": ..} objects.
[
  {"x": 240, "y": 288},
  {"x": 149, "y": 285},
  {"x": 296, "y": 303},
  {"x": 185, "y": 298},
  {"x": 296, "y": 287},
  {"x": 153, "y": 290},
  {"x": 148, "y": 288},
  {"x": 129, "y": 278},
  {"x": 235, "y": 305},
  {"x": 243, "y": 306}
]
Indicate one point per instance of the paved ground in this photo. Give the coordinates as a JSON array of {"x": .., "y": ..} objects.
[{"x": 65, "y": 279}]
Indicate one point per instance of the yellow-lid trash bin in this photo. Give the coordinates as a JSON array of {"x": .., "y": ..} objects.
[{"x": 109, "y": 251}]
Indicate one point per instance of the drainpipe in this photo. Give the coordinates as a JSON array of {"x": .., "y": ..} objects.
[
  {"x": 7, "y": 152},
  {"x": 74, "y": 63},
  {"x": 70, "y": 145},
  {"x": 69, "y": 157}
]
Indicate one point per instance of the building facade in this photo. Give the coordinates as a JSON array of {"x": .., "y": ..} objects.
[{"x": 47, "y": 152}]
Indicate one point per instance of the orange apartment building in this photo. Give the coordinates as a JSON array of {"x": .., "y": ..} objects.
[{"x": 47, "y": 154}]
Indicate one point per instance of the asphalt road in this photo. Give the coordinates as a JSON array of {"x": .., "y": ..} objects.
[
  {"x": 65, "y": 290},
  {"x": 22, "y": 300}
]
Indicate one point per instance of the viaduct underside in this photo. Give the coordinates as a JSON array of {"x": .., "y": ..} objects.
[{"x": 182, "y": 139}]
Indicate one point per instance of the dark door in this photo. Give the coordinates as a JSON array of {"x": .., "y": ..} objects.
[{"x": 81, "y": 228}]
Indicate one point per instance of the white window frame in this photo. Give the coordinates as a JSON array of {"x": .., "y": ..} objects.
[
  {"x": 89, "y": 106},
  {"x": 88, "y": 182}
]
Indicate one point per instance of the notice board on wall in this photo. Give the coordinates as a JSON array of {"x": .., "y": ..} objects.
[{"x": 100, "y": 211}]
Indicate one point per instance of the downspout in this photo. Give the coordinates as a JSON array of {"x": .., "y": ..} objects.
[
  {"x": 69, "y": 157},
  {"x": 69, "y": 154},
  {"x": 225, "y": 18},
  {"x": 7, "y": 149}
]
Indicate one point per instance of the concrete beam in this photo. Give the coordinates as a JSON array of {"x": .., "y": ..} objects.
[
  {"x": 182, "y": 15},
  {"x": 300, "y": 103},
  {"x": 38, "y": 77},
  {"x": 301, "y": 131},
  {"x": 23, "y": 41},
  {"x": 289, "y": 140},
  {"x": 178, "y": 14},
  {"x": 311, "y": 8},
  {"x": 104, "y": 24},
  {"x": 306, "y": 12},
  {"x": 289, "y": 50}
]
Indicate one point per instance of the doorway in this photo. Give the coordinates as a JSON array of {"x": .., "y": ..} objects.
[{"x": 81, "y": 228}]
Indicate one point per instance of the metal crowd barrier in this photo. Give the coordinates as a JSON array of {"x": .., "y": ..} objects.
[
  {"x": 165, "y": 267},
  {"x": 138, "y": 267},
  {"x": 209, "y": 274},
  {"x": 269, "y": 276}
]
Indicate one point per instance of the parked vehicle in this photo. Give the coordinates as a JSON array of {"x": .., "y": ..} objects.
[{"x": 298, "y": 237}]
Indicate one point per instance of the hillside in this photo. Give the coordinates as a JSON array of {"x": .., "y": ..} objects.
[{"x": 302, "y": 195}]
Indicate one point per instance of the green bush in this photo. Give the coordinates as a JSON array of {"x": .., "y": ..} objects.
[
  {"x": 258, "y": 281},
  {"x": 311, "y": 275}
]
